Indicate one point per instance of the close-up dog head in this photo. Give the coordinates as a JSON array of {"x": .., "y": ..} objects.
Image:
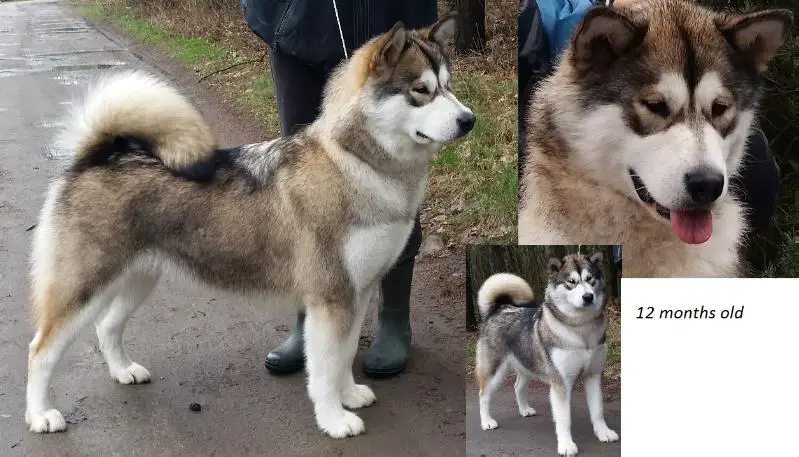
[
  {"x": 576, "y": 283},
  {"x": 404, "y": 84},
  {"x": 666, "y": 95}
]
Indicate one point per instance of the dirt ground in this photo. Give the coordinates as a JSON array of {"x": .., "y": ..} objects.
[{"x": 200, "y": 347}]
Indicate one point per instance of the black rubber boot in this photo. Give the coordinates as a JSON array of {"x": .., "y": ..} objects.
[
  {"x": 391, "y": 347},
  {"x": 289, "y": 357}
]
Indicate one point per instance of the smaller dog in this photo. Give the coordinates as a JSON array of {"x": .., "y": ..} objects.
[{"x": 554, "y": 341}]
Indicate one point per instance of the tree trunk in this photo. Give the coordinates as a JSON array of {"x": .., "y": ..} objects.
[{"x": 471, "y": 34}]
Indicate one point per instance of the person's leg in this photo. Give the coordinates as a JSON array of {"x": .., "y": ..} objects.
[
  {"x": 391, "y": 347},
  {"x": 298, "y": 90}
]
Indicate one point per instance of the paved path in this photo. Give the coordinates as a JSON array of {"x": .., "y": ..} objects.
[
  {"x": 200, "y": 347},
  {"x": 534, "y": 436}
]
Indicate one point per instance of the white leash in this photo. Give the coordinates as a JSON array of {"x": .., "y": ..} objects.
[{"x": 340, "y": 32}]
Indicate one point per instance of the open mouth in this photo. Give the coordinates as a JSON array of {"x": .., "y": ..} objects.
[{"x": 692, "y": 225}]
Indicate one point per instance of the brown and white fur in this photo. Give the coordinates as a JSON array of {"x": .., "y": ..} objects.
[
  {"x": 314, "y": 220},
  {"x": 657, "y": 90}
]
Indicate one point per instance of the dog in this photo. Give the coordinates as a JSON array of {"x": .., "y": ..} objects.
[
  {"x": 635, "y": 136},
  {"x": 313, "y": 220},
  {"x": 554, "y": 341}
]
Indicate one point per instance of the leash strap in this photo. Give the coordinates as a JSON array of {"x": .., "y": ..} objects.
[{"x": 341, "y": 32}]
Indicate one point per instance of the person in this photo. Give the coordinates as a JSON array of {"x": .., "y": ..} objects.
[
  {"x": 544, "y": 30},
  {"x": 305, "y": 46}
]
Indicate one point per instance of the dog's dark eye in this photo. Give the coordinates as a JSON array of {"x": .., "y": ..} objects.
[
  {"x": 588, "y": 278},
  {"x": 718, "y": 109},
  {"x": 658, "y": 107},
  {"x": 421, "y": 90},
  {"x": 571, "y": 281}
]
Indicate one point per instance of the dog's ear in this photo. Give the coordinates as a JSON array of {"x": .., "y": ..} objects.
[
  {"x": 757, "y": 36},
  {"x": 391, "y": 44},
  {"x": 443, "y": 31},
  {"x": 602, "y": 36},
  {"x": 596, "y": 258},
  {"x": 554, "y": 264}
]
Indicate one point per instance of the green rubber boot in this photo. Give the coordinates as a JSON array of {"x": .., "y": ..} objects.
[
  {"x": 391, "y": 346},
  {"x": 289, "y": 357}
]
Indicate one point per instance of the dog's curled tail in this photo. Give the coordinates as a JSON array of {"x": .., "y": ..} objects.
[
  {"x": 502, "y": 289},
  {"x": 134, "y": 106}
]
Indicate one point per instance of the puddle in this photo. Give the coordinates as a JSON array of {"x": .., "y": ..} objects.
[
  {"x": 60, "y": 68},
  {"x": 62, "y": 29},
  {"x": 87, "y": 66},
  {"x": 47, "y": 124},
  {"x": 52, "y": 152}
]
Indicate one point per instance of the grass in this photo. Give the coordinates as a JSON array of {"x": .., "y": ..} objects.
[
  {"x": 472, "y": 190},
  {"x": 194, "y": 52}
]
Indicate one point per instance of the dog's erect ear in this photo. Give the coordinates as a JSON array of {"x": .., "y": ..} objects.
[
  {"x": 392, "y": 43},
  {"x": 758, "y": 35},
  {"x": 596, "y": 258},
  {"x": 602, "y": 36},
  {"x": 554, "y": 265},
  {"x": 443, "y": 31}
]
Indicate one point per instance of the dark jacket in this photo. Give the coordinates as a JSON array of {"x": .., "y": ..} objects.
[
  {"x": 307, "y": 29},
  {"x": 534, "y": 62}
]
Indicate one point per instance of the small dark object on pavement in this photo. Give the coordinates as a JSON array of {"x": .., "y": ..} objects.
[{"x": 196, "y": 407}]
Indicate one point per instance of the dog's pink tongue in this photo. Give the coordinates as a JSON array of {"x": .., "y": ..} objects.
[{"x": 692, "y": 226}]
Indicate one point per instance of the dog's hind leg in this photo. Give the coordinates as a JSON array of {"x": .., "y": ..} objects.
[
  {"x": 328, "y": 328},
  {"x": 560, "y": 397},
  {"x": 355, "y": 396},
  {"x": 490, "y": 372},
  {"x": 133, "y": 289},
  {"x": 593, "y": 395},
  {"x": 61, "y": 318},
  {"x": 522, "y": 380}
]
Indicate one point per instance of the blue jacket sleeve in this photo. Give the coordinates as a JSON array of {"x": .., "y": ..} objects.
[{"x": 559, "y": 18}]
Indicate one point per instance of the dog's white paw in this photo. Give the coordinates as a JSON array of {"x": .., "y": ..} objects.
[
  {"x": 605, "y": 434},
  {"x": 490, "y": 424},
  {"x": 358, "y": 396},
  {"x": 567, "y": 448},
  {"x": 47, "y": 422},
  {"x": 527, "y": 411},
  {"x": 133, "y": 374},
  {"x": 341, "y": 425}
]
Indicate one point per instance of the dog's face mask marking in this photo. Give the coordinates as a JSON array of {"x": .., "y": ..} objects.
[
  {"x": 576, "y": 283},
  {"x": 671, "y": 89},
  {"x": 415, "y": 93}
]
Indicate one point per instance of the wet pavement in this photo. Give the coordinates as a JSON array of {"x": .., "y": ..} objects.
[{"x": 200, "y": 347}]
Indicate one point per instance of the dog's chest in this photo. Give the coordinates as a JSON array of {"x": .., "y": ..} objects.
[
  {"x": 570, "y": 363},
  {"x": 371, "y": 250}
]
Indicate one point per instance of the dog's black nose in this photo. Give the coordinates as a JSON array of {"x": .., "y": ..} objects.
[
  {"x": 465, "y": 123},
  {"x": 704, "y": 185},
  {"x": 588, "y": 297}
]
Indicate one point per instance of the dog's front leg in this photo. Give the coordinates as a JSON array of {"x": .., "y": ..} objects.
[
  {"x": 328, "y": 328},
  {"x": 593, "y": 395},
  {"x": 355, "y": 396},
  {"x": 560, "y": 397}
]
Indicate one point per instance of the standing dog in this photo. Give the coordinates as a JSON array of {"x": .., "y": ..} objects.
[
  {"x": 634, "y": 138},
  {"x": 555, "y": 342},
  {"x": 316, "y": 219}
]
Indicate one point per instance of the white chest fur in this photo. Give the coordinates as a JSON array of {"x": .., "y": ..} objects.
[
  {"x": 570, "y": 363},
  {"x": 369, "y": 251}
]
